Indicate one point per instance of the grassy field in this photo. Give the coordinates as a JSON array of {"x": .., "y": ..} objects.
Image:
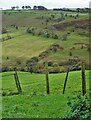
[
  {"x": 19, "y": 46},
  {"x": 34, "y": 103},
  {"x": 22, "y": 46}
]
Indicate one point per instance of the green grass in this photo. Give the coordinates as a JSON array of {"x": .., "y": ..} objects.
[
  {"x": 34, "y": 103},
  {"x": 24, "y": 46}
]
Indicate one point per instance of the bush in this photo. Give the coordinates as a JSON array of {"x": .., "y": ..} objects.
[
  {"x": 53, "y": 16},
  {"x": 50, "y": 63},
  {"x": 70, "y": 53},
  {"x": 55, "y": 36},
  {"x": 31, "y": 30},
  {"x": 46, "y": 34},
  {"x": 64, "y": 37},
  {"x": 39, "y": 33},
  {"x": 62, "y": 69},
  {"x": 31, "y": 64},
  {"x": 8, "y": 37},
  {"x": 18, "y": 62},
  {"x": 22, "y": 69},
  {"x": 5, "y": 68},
  {"x": 4, "y": 30},
  {"x": 80, "y": 109}
]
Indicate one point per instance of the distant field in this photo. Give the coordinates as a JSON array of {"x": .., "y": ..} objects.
[
  {"x": 25, "y": 46},
  {"x": 22, "y": 46},
  {"x": 34, "y": 103}
]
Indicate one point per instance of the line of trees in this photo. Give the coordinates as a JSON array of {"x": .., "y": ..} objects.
[
  {"x": 29, "y": 7},
  {"x": 23, "y": 7},
  {"x": 81, "y": 10}
]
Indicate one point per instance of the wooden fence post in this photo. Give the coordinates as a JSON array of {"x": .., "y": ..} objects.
[
  {"x": 90, "y": 90},
  {"x": 47, "y": 79},
  {"x": 83, "y": 80},
  {"x": 65, "y": 82},
  {"x": 17, "y": 82}
]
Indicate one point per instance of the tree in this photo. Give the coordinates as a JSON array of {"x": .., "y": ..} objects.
[
  {"x": 78, "y": 9},
  {"x": 13, "y": 7},
  {"x": 26, "y": 7},
  {"x": 29, "y": 7},
  {"x": 23, "y": 7},
  {"x": 17, "y": 7},
  {"x": 35, "y": 7}
]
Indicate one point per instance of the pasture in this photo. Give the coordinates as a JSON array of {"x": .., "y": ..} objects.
[
  {"x": 34, "y": 103},
  {"x": 29, "y": 39}
]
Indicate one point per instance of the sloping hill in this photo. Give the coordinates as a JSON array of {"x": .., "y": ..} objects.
[{"x": 20, "y": 46}]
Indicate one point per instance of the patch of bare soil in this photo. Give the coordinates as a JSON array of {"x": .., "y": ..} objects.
[{"x": 84, "y": 24}]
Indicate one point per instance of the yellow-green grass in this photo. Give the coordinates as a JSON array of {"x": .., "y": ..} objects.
[
  {"x": 33, "y": 18},
  {"x": 25, "y": 46}
]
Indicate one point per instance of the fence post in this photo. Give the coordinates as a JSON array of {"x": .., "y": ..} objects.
[
  {"x": 83, "y": 80},
  {"x": 17, "y": 82},
  {"x": 65, "y": 82},
  {"x": 90, "y": 89},
  {"x": 47, "y": 79}
]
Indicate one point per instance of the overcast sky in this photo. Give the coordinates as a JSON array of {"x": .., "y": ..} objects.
[{"x": 47, "y": 3}]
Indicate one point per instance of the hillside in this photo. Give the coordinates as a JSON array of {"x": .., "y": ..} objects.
[
  {"x": 33, "y": 40},
  {"x": 32, "y": 33}
]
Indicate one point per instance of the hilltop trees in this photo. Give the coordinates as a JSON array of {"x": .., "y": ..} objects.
[
  {"x": 17, "y": 7},
  {"x": 23, "y": 7},
  {"x": 80, "y": 10},
  {"x": 39, "y": 8},
  {"x": 26, "y": 7},
  {"x": 13, "y": 7}
]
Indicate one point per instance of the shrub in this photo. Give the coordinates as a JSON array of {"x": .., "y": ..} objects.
[
  {"x": 50, "y": 63},
  {"x": 80, "y": 109},
  {"x": 53, "y": 16},
  {"x": 55, "y": 36},
  {"x": 54, "y": 69},
  {"x": 16, "y": 27},
  {"x": 39, "y": 33},
  {"x": 64, "y": 37},
  {"x": 4, "y": 30},
  {"x": 5, "y": 68},
  {"x": 18, "y": 62},
  {"x": 7, "y": 58},
  {"x": 46, "y": 34},
  {"x": 22, "y": 69},
  {"x": 8, "y": 37},
  {"x": 31, "y": 64},
  {"x": 70, "y": 54},
  {"x": 47, "y": 20},
  {"x": 31, "y": 30},
  {"x": 66, "y": 15},
  {"x": 62, "y": 69}
]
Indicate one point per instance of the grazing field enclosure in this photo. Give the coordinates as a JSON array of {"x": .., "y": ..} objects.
[
  {"x": 34, "y": 94},
  {"x": 45, "y": 63}
]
